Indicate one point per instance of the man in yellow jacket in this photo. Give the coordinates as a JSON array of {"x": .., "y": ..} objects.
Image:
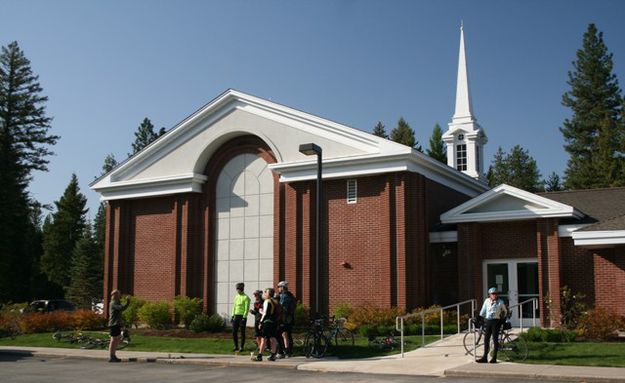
[{"x": 240, "y": 308}]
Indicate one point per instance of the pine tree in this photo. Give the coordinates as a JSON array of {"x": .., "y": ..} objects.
[
  {"x": 404, "y": 134},
  {"x": 24, "y": 147},
  {"x": 553, "y": 183},
  {"x": 517, "y": 169},
  {"x": 594, "y": 97},
  {"x": 62, "y": 233},
  {"x": 86, "y": 271},
  {"x": 99, "y": 223},
  {"x": 437, "y": 146},
  {"x": 145, "y": 135},
  {"x": 380, "y": 130}
]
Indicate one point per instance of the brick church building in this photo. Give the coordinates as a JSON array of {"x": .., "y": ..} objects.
[{"x": 226, "y": 196}]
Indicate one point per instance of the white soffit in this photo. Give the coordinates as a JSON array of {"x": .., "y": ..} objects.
[{"x": 507, "y": 203}]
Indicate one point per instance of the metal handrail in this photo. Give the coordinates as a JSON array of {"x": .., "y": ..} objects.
[
  {"x": 520, "y": 305},
  {"x": 399, "y": 321}
]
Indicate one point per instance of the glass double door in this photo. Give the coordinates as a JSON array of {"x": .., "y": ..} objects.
[{"x": 517, "y": 281}]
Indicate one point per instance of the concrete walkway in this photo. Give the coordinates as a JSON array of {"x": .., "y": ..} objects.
[{"x": 442, "y": 358}]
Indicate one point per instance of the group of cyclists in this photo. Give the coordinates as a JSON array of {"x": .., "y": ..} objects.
[{"x": 274, "y": 316}]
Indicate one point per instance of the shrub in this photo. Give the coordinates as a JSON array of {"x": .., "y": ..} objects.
[
  {"x": 88, "y": 320},
  {"x": 47, "y": 322},
  {"x": 343, "y": 310},
  {"x": 187, "y": 309},
  {"x": 15, "y": 308},
  {"x": 537, "y": 334},
  {"x": 374, "y": 316},
  {"x": 600, "y": 324},
  {"x": 301, "y": 315},
  {"x": 155, "y": 315},
  {"x": 131, "y": 314},
  {"x": 212, "y": 323},
  {"x": 572, "y": 307},
  {"x": 9, "y": 324}
]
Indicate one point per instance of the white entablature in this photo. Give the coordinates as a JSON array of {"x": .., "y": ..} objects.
[
  {"x": 175, "y": 163},
  {"x": 465, "y": 138}
]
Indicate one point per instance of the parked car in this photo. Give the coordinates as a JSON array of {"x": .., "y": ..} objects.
[{"x": 47, "y": 305}]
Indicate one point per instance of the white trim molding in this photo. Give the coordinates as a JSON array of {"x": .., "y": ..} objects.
[
  {"x": 599, "y": 237},
  {"x": 184, "y": 183},
  {"x": 534, "y": 206},
  {"x": 566, "y": 231},
  {"x": 444, "y": 236},
  {"x": 363, "y": 165}
]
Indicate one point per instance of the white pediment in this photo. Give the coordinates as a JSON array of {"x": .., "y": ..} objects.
[
  {"x": 505, "y": 203},
  {"x": 175, "y": 163}
]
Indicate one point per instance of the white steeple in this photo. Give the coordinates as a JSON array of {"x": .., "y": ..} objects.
[
  {"x": 465, "y": 138},
  {"x": 463, "y": 97}
]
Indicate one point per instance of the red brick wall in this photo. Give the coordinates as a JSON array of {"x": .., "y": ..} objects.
[
  {"x": 609, "y": 267},
  {"x": 439, "y": 199},
  {"x": 444, "y": 273},
  {"x": 359, "y": 262},
  {"x": 153, "y": 246},
  {"x": 505, "y": 240},
  {"x": 577, "y": 270}
]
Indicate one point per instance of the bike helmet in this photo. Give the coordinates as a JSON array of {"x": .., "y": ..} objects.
[{"x": 492, "y": 290}]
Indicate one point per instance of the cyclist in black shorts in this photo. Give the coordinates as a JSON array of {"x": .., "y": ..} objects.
[
  {"x": 287, "y": 301},
  {"x": 115, "y": 323},
  {"x": 268, "y": 323}
]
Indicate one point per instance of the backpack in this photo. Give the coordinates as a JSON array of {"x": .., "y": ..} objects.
[{"x": 277, "y": 311}]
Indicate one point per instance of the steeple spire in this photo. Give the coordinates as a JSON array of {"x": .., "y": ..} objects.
[
  {"x": 464, "y": 110},
  {"x": 465, "y": 138}
]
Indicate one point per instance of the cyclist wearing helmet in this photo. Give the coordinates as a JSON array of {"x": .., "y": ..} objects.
[
  {"x": 285, "y": 330},
  {"x": 493, "y": 311}
]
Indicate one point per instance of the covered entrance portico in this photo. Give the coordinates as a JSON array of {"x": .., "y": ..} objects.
[{"x": 508, "y": 238}]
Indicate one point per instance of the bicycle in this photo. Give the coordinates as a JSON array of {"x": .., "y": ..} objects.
[
  {"x": 72, "y": 337},
  {"x": 338, "y": 334},
  {"x": 512, "y": 347},
  {"x": 316, "y": 343},
  {"x": 387, "y": 343},
  {"x": 92, "y": 342}
]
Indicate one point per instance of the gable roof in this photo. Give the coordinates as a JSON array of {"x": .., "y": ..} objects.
[
  {"x": 506, "y": 203},
  {"x": 175, "y": 162},
  {"x": 604, "y": 215},
  {"x": 597, "y": 204}
]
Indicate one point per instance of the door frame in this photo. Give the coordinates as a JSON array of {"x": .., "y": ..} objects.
[{"x": 513, "y": 285}]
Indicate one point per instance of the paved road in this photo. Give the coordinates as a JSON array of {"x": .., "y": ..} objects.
[{"x": 36, "y": 369}]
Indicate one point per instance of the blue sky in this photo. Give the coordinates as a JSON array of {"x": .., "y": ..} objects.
[{"x": 106, "y": 65}]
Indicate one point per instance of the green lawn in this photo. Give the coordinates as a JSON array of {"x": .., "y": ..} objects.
[
  {"x": 577, "y": 354},
  {"x": 208, "y": 345}
]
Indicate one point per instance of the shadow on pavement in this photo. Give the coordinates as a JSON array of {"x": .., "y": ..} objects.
[{"x": 14, "y": 355}]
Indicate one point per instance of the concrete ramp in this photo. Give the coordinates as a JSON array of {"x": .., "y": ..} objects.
[{"x": 431, "y": 360}]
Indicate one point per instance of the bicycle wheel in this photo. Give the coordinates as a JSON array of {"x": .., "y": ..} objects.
[
  {"x": 513, "y": 348},
  {"x": 344, "y": 337},
  {"x": 123, "y": 344},
  {"x": 473, "y": 349},
  {"x": 315, "y": 346}
]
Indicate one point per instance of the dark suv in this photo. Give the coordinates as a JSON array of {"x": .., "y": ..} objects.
[{"x": 44, "y": 306}]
